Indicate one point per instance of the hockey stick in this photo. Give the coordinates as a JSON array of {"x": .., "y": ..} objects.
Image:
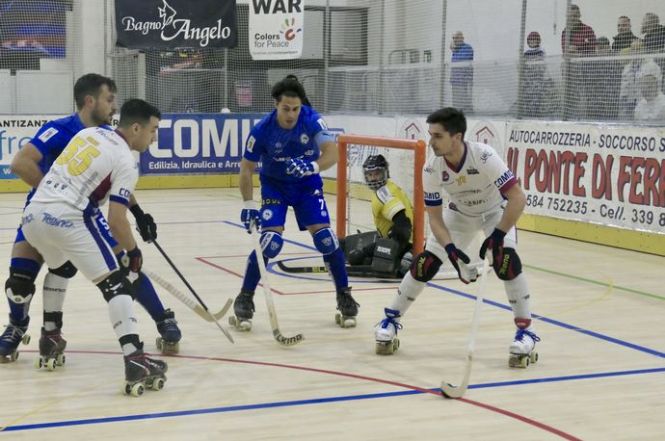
[
  {"x": 203, "y": 305},
  {"x": 351, "y": 271},
  {"x": 185, "y": 299},
  {"x": 300, "y": 269},
  {"x": 448, "y": 390},
  {"x": 270, "y": 304}
]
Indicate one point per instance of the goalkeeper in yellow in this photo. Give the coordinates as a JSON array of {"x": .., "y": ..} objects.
[{"x": 385, "y": 252}]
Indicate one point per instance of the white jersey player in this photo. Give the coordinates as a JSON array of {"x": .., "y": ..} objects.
[
  {"x": 60, "y": 222},
  {"x": 482, "y": 195}
]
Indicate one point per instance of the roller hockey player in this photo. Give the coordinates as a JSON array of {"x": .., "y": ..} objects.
[
  {"x": 293, "y": 145},
  {"x": 62, "y": 224},
  {"x": 483, "y": 196},
  {"x": 95, "y": 98},
  {"x": 387, "y": 251}
]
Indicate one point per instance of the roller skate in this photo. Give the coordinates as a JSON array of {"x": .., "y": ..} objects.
[
  {"x": 386, "y": 333},
  {"x": 51, "y": 350},
  {"x": 142, "y": 372},
  {"x": 522, "y": 349},
  {"x": 243, "y": 307},
  {"x": 15, "y": 333},
  {"x": 169, "y": 340},
  {"x": 347, "y": 307}
]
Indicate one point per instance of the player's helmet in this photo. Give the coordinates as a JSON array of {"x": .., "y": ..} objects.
[{"x": 372, "y": 164}]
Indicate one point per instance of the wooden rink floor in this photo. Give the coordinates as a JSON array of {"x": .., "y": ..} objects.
[{"x": 599, "y": 311}]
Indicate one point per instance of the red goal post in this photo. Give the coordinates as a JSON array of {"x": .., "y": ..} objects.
[{"x": 419, "y": 150}]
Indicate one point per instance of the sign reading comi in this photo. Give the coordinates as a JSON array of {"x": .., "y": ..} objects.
[{"x": 276, "y": 29}]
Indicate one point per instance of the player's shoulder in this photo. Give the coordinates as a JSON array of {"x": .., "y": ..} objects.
[
  {"x": 265, "y": 124},
  {"x": 433, "y": 164},
  {"x": 312, "y": 119},
  {"x": 385, "y": 193},
  {"x": 71, "y": 123},
  {"x": 482, "y": 152}
]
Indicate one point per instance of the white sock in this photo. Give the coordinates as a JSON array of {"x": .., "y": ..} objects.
[
  {"x": 123, "y": 320},
  {"x": 407, "y": 292},
  {"x": 54, "y": 290},
  {"x": 517, "y": 291}
]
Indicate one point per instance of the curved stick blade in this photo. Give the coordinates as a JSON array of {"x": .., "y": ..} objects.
[
  {"x": 288, "y": 341},
  {"x": 454, "y": 392}
]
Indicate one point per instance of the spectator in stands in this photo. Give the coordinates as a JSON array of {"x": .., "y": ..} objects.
[
  {"x": 461, "y": 76},
  {"x": 652, "y": 105},
  {"x": 577, "y": 40},
  {"x": 654, "y": 33},
  {"x": 625, "y": 36},
  {"x": 630, "y": 80},
  {"x": 604, "y": 84},
  {"x": 533, "y": 77}
]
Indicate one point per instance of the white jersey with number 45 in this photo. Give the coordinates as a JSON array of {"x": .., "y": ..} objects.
[
  {"x": 474, "y": 187},
  {"x": 96, "y": 164}
]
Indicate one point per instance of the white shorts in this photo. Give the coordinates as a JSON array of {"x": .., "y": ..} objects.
[
  {"x": 62, "y": 233},
  {"x": 464, "y": 229}
]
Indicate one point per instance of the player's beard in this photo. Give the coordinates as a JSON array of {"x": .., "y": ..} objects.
[{"x": 101, "y": 118}]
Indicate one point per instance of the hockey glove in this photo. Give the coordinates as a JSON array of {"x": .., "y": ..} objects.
[
  {"x": 145, "y": 224},
  {"x": 299, "y": 168},
  {"x": 135, "y": 260},
  {"x": 250, "y": 216},
  {"x": 456, "y": 255},
  {"x": 495, "y": 243}
]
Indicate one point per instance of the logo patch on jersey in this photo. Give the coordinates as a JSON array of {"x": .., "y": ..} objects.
[
  {"x": 428, "y": 170},
  {"x": 324, "y": 213},
  {"x": 304, "y": 139},
  {"x": 461, "y": 180},
  {"x": 445, "y": 177},
  {"x": 484, "y": 156},
  {"x": 507, "y": 176},
  {"x": 48, "y": 134},
  {"x": 472, "y": 171},
  {"x": 250, "y": 144},
  {"x": 267, "y": 214},
  {"x": 309, "y": 152}
]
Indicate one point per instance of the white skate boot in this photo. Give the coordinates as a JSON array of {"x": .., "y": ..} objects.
[
  {"x": 386, "y": 333},
  {"x": 522, "y": 349}
]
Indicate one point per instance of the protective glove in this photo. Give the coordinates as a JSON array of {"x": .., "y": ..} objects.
[
  {"x": 144, "y": 223},
  {"x": 495, "y": 243},
  {"x": 250, "y": 216},
  {"x": 455, "y": 256},
  {"x": 298, "y": 168}
]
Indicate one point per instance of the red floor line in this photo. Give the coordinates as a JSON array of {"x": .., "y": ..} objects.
[
  {"x": 489, "y": 407},
  {"x": 214, "y": 265}
]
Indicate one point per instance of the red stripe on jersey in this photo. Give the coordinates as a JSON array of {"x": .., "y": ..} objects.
[
  {"x": 508, "y": 185},
  {"x": 102, "y": 189}
]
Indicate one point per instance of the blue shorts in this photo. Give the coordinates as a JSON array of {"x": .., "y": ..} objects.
[{"x": 307, "y": 202}]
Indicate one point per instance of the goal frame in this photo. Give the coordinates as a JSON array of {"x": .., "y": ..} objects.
[{"x": 418, "y": 147}]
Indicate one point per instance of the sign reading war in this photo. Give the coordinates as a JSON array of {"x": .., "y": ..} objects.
[
  {"x": 198, "y": 144},
  {"x": 167, "y": 24}
]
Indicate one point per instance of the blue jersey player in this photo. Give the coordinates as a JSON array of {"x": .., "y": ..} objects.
[
  {"x": 95, "y": 100},
  {"x": 293, "y": 145}
]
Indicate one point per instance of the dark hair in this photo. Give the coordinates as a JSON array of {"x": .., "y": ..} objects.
[
  {"x": 137, "y": 111},
  {"x": 289, "y": 86},
  {"x": 91, "y": 84},
  {"x": 452, "y": 120}
]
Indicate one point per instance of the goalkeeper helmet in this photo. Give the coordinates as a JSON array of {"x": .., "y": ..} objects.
[{"x": 376, "y": 171}]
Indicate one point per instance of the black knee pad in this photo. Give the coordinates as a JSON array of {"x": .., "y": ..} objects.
[
  {"x": 115, "y": 285},
  {"x": 425, "y": 266},
  {"x": 510, "y": 267},
  {"x": 20, "y": 286},
  {"x": 66, "y": 271}
]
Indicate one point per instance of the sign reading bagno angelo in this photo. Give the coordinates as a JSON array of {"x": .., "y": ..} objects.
[{"x": 163, "y": 24}]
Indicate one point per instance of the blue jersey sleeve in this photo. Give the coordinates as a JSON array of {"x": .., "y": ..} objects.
[{"x": 253, "y": 147}]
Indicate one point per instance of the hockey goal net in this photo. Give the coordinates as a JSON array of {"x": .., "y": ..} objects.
[{"x": 406, "y": 159}]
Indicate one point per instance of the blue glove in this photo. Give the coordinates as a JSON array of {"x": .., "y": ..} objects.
[
  {"x": 250, "y": 216},
  {"x": 299, "y": 168}
]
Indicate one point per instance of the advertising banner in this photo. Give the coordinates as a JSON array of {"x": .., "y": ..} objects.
[
  {"x": 609, "y": 175},
  {"x": 198, "y": 144},
  {"x": 276, "y": 29},
  {"x": 159, "y": 24},
  {"x": 15, "y": 132}
]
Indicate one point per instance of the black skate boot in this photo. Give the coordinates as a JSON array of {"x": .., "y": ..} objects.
[
  {"x": 142, "y": 372},
  {"x": 243, "y": 307},
  {"x": 347, "y": 307},
  {"x": 51, "y": 350},
  {"x": 15, "y": 333},
  {"x": 170, "y": 335}
]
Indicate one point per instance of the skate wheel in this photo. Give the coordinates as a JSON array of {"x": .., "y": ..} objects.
[
  {"x": 534, "y": 357},
  {"x": 233, "y": 321},
  {"x": 50, "y": 364},
  {"x": 395, "y": 344},
  {"x": 159, "y": 343},
  {"x": 158, "y": 384},
  {"x": 60, "y": 359},
  {"x": 14, "y": 356},
  {"x": 386, "y": 347},
  {"x": 26, "y": 339},
  {"x": 338, "y": 319},
  {"x": 170, "y": 348},
  {"x": 135, "y": 390},
  {"x": 38, "y": 363}
]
